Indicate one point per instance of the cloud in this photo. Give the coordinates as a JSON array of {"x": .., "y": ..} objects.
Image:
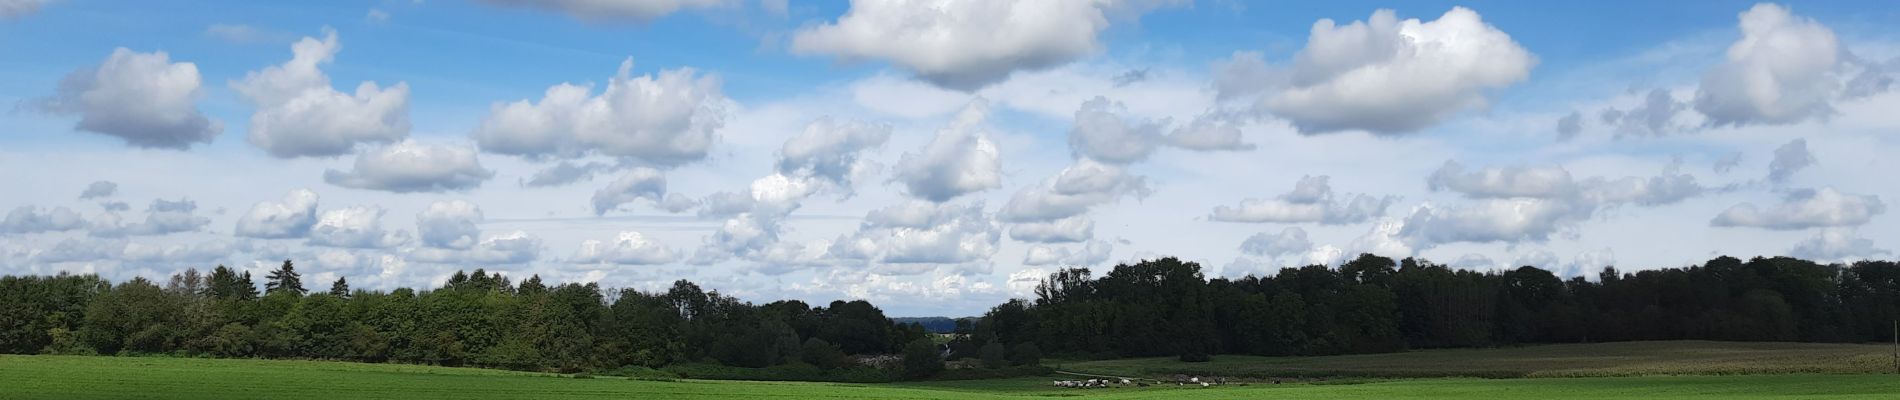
[
  {"x": 142, "y": 98},
  {"x": 1555, "y": 183},
  {"x": 630, "y": 248},
  {"x": 1209, "y": 132},
  {"x": 193, "y": 254},
  {"x": 355, "y": 227},
  {"x": 162, "y": 217},
  {"x": 449, "y": 235},
  {"x": 664, "y": 120},
  {"x": 1655, "y": 117},
  {"x": 1066, "y": 230},
  {"x": 10, "y": 9},
  {"x": 1475, "y": 262},
  {"x": 639, "y": 11},
  {"x": 566, "y": 173},
  {"x": 237, "y": 33},
  {"x": 1569, "y": 126},
  {"x": 960, "y": 160},
  {"x": 1291, "y": 240},
  {"x": 1836, "y": 244},
  {"x": 1101, "y": 133},
  {"x": 916, "y": 232},
  {"x": 1490, "y": 220},
  {"x": 829, "y": 150},
  {"x": 291, "y": 218},
  {"x": 1092, "y": 253},
  {"x": 449, "y": 224},
  {"x": 1531, "y": 181},
  {"x": 517, "y": 247},
  {"x": 300, "y": 115},
  {"x": 961, "y": 45},
  {"x": 1312, "y": 200},
  {"x": 411, "y": 166},
  {"x": 99, "y": 190},
  {"x": 1073, "y": 191},
  {"x": 1784, "y": 69},
  {"x": 636, "y": 184},
  {"x": 1789, "y": 159},
  {"x": 1388, "y": 76},
  {"x": 30, "y": 219},
  {"x": 1729, "y": 162},
  {"x": 1530, "y": 203},
  {"x": 1805, "y": 209}
]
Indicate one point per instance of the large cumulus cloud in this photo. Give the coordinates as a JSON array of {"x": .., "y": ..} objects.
[
  {"x": 960, "y": 160},
  {"x": 962, "y": 45},
  {"x": 664, "y": 120},
  {"x": 300, "y": 115},
  {"x": 291, "y": 218},
  {"x": 141, "y": 98},
  {"x": 1388, "y": 76},
  {"x": 1785, "y": 68},
  {"x": 1803, "y": 209},
  {"x": 412, "y": 166}
]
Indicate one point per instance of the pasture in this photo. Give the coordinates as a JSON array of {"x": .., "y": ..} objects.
[
  {"x": 1543, "y": 361},
  {"x": 66, "y": 377}
]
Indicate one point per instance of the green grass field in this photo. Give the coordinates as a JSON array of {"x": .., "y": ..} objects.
[
  {"x": 64, "y": 377},
  {"x": 1548, "y": 361}
]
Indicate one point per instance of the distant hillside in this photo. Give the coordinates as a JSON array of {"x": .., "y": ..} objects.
[{"x": 932, "y": 324}]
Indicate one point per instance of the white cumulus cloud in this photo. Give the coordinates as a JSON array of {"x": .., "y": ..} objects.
[
  {"x": 665, "y": 120},
  {"x": 1804, "y": 209},
  {"x": 291, "y": 218},
  {"x": 141, "y": 98},
  {"x": 1784, "y": 69},
  {"x": 300, "y": 115},
  {"x": 962, "y": 45},
  {"x": 1389, "y": 76},
  {"x": 412, "y": 166},
  {"x": 629, "y": 248},
  {"x": 960, "y": 160}
]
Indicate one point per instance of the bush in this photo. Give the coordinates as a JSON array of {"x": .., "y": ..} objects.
[
  {"x": 993, "y": 356},
  {"x": 785, "y": 372},
  {"x": 1195, "y": 357},
  {"x": 822, "y": 354},
  {"x": 640, "y": 373},
  {"x": 999, "y": 373},
  {"x": 1026, "y": 354},
  {"x": 921, "y": 359}
]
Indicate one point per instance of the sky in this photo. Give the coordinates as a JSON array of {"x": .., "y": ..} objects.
[{"x": 935, "y": 157}]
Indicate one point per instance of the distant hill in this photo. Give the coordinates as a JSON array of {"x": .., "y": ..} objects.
[{"x": 932, "y": 324}]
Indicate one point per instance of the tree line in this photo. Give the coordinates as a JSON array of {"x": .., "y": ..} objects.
[
  {"x": 1374, "y": 304},
  {"x": 1160, "y": 307},
  {"x": 477, "y": 319}
]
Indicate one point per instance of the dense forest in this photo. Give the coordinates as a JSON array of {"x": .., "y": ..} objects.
[{"x": 1162, "y": 307}]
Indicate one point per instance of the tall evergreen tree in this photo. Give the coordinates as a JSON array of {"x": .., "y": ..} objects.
[
  {"x": 223, "y": 283},
  {"x": 246, "y": 288},
  {"x": 285, "y": 278},
  {"x": 341, "y": 288}
]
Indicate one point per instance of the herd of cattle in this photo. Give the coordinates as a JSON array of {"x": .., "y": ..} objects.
[{"x": 1179, "y": 380}]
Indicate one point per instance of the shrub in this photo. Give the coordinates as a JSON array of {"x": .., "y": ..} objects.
[
  {"x": 993, "y": 356},
  {"x": 822, "y": 354},
  {"x": 1026, "y": 354},
  {"x": 921, "y": 359}
]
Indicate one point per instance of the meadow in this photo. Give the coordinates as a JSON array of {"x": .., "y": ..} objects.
[
  {"x": 1677, "y": 370},
  {"x": 1688, "y": 357}
]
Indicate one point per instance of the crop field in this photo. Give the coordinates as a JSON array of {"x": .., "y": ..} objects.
[
  {"x": 61, "y": 377},
  {"x": 1546, "y": 361}
]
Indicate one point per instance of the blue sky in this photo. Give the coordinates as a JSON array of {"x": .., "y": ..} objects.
[{"x": 936, "y": 157}]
